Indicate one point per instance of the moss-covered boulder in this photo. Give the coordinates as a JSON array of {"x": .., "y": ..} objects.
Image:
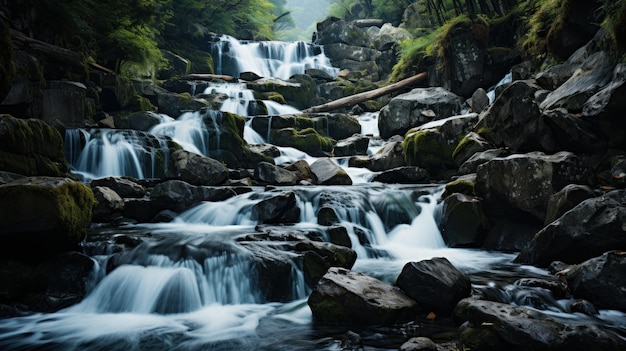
[
  {"x": 31, "y": 147},
  {"x": 307, "y": 140},
  {"x": 174, "y": 105},
  {"x": 42, "y": 216},
  {"x": 428, "y": 149}
]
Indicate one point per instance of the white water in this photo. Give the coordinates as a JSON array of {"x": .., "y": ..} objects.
[{"x": 268, "y": 58}]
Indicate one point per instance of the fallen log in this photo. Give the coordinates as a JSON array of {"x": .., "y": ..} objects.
[
  {"x": 208, "y": 76},
  {"x": 352, "y": 100}
]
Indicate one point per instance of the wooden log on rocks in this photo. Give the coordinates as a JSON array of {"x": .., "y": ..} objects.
[
  {"x": 352, "y": 100},
  {"x": 208, "y": 76}
]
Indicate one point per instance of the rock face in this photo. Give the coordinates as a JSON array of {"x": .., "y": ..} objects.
[
  {"x": 601, "y": 280},
  {"x": 591, "y": 228},
  {"x": 345, "y": 297},
  {"x": 40, "y": 216},
  {"x": 197, "y": 169},
  {"x": 31, "y": 147},
  {"x": 497, "y": 326},
  {"x": 435, "y": 284},
  {"x": 415, "y": 108}
]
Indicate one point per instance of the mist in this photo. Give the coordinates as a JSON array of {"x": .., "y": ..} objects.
[{"x": 305, "y": 14}]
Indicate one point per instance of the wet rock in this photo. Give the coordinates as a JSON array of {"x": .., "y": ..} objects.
[
  {"x": 435, "y": 284},
  {"x": 558, "y": 288},
  {"x": 281, "y": 208},
  {"x": 319, "y": 257},
  {"x": 354, "y": 145},
  {"x": 173, "y": 104},
  {"x": 403, "y": 175},
  {"x": 109, "y": 204},
  {"x": 591, "y": 228},
  {"x": 498, "y": 326},
  {"x": 64, "y": 104},
  {"x": 587, "y": 80},
  {"x": 197, "y": 169},
  {"x": 469, "y": 145},
  {"x": 405, "y": 111},
  {"x": 42, "y": 216},
  {"x": 124, "y": 187},
  {"x": 584, "y": 307},
  {"x": 526, "y": 182},
  {"x": 479, "y": 101},
  {"x": 31, "y": 147},
  {"x": 574, "y": 134},
  {"x": 604, "y": 108},
  {"x": 334, "y": 30},
  {"x": 390, "y": 156},
  {"x": 341, "y": 51},
  {"x": 307, "y": 140},
  {"x": 566, "y": 199},
  {"x": 345, "y": 297},
  {"x": 327, "y": 215},
  {"x": 338, "y": 235},
  {"x": 25, "y": 94},
  {"x": 326, "y": 172},
  {"x": 142, "y": 120},
  {"x": 463, "y": 222},
  {"x": 302, "y": 170},
  {"x": 601, "y": 280},
  {"x": 178, "y": 195},
  {"x": 419, "y": 344},
  {"x": 479, "y": 158},
  {"x": 268, "y": 173}
]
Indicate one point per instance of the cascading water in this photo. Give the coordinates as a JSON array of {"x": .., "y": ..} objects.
[
  {"x": 201, "y": 283},
  {"x": 268, "y": 58}
]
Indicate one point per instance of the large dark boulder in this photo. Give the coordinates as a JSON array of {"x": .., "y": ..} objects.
[
  {"x": 390, "y": 156},
  {"x": 593, "y": 227},
  {"x": 463, "y": 222},
  {"x": 124, "y": 187},
  {"x": 31, "y": 147},
  {"x": 268, "y": 173},
  {"x": 514, "y": 121},
  {"x": 601, "y": 280},
  {"x": 42, "y": 216},
  {"x": 435, "y": 284},
  {"x": 415, "y": 108},
  {"x": 177, "y": 195},
  {"x": 492, "y": 326},
  {"x": 334, "y": 30},
  {"x": 326, "y": 172},
  {"x": 196, "y": 169},
  {"x": 566, "y": 199},
  {"x": 281, "y": 208},
  {"x": 346, "y": 297},
  {"x": 525, "y": 182}
]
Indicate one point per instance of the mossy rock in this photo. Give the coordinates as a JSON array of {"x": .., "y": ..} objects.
[
  {"x": 42, "y": 216},
  {"x": 462, "y": 186},
  {"x": 31, "y": 147},
  {"x": 428, "y": 149},
  {"x": 307, "y": 140}
]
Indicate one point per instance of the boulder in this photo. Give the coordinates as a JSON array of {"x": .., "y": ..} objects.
[
  {"x": 302, "y": 169},
  {"x": 479, "y": 101},
  {"x": 25, "y": 96},
  {"x": 494, "y": 326},
  {"x": 479, "y": 158},
  {"x": 334, "y": 30},
  {"x": 574, "y": 134},
  {"x": 435, "y": 284},
  {"x": 419, "y": 106},
  {"x": 601, "y": 280},
  {"x": 64, "y": 104},
  {"x": 403, "y": 175},
  {"x": 345, "y": 297},
  {"x": 278, "y": 209},
  {"x": 31, "y": 147},
  {"x": 357, "y": 144},
  {"x": 514, "y": 121},
  {"x": 566, "y": 199},
  {"x": 525, "y": 182},
  {"x": 196, "y": 169},
  {"x": 319, "y": 257},
  {"x": 177, "y": 195},
  {"x": 268, "y": 173},
  {"x": 42, "y": 216},
  {"x": 390, "y": 156},
  {"x": 419, "y": 344},
  {"x": 109, "y": 204},
  {"x": 591, "y": 228},
  {"x": 604, "y": 109},
  {"x": 124, "y": 187},
  {"x": 338, "y": 125},
  {"x": 174, "y": 105},
  {"x": 141, "y": 120},
  {"x": 592, "y": 75},
  {"x": 341, "y": 51},
  {"x": 469, "y": 145},
  {"x": 307, "y": 140},
  {"x": 463, "y": 222},
  {"x": 327, "y": 172}
]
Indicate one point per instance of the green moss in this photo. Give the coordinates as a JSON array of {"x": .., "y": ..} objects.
[
  {"x": 462, "y": 186},
  {"x": 427, "y": 149},
  {"x": 276, "y": 97},
  {"x": 465, "y": 142},
  {"x": 307, "y": 140},
  {"x": 479, "y": 28}
]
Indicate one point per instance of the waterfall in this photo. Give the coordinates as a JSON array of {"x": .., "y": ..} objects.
[
  {"x": 108, "y": 152},
  {"x": 268, "y": 58}
]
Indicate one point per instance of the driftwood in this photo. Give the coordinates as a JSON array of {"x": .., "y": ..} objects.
[
  {"x": 56, "y": 52},
  {"x": 208, "y": 76},
  {"x": 352, "y": 100}
]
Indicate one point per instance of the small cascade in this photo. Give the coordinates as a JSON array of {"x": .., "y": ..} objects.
[
  {"x": 268, "y": 58},
  {"x": 196, "y": 131},
  {"x": 98, "y": 153},
  {"x": 240, "y": 99}
]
